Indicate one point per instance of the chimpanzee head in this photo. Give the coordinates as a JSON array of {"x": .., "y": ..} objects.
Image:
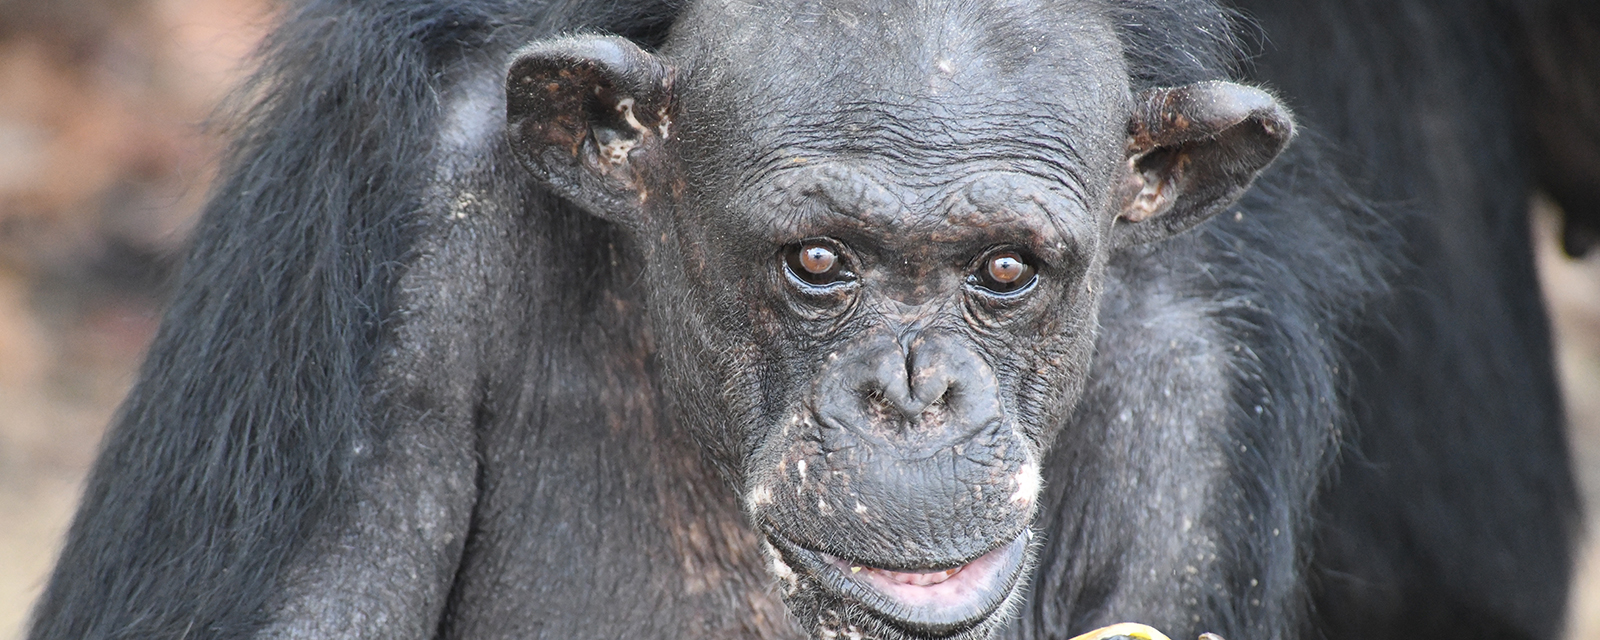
[{"x": 874, "y": 236}]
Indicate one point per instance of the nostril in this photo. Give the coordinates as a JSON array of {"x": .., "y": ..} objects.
[{"x": 884, "y": 406}]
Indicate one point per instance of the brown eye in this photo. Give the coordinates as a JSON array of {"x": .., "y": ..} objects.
[
  {"x": 815, "y": 262},
  {"x": 1005, "y": 272}
]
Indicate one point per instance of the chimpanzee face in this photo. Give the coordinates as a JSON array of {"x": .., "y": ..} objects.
[
  {"x": 914, "y": 248},
  {"x": 875, "y": 237},
  {"x": 919, "y": 344}
]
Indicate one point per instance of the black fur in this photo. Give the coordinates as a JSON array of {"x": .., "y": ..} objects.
[
  {"x": 1457, "y": 423},
  {"x": 1557, "y": 43},
  {"x": 404, "y": 391},
  {"x": 257, "y": 387}
]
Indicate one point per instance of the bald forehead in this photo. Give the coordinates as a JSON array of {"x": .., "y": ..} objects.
[
  {"x": 862, "y": 48},
  {"x": 923, "y": 84}
]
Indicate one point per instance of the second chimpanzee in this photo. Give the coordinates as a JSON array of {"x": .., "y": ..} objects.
[{"x": 839, "y": 318}]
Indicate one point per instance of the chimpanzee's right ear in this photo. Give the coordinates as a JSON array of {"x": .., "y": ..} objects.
[{"x": 589, "y": 116}]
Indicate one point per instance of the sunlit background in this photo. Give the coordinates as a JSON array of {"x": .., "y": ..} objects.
[{"x": 104, "y": 159}]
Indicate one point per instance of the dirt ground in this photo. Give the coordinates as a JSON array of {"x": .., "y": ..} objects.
[{"x": 103, "y": 161}]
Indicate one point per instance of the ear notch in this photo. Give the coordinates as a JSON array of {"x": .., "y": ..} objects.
[
  {"x": 589, "y": 116},
  {"x": 1192, "y": 151}
]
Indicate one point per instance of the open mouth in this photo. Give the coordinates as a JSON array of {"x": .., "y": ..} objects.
[{"x": 933, "y": 602}]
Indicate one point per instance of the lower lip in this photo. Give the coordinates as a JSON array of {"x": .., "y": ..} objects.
[{"x": 937, "y": 602}]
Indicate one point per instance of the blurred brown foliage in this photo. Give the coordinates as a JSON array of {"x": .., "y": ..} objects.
[{"x": 104, "y": 160}]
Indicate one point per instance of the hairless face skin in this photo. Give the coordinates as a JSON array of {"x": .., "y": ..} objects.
[{"x": 878, "y": 268}]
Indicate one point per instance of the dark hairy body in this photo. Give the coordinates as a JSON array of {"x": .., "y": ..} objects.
[{"x": 768, "y": 321}]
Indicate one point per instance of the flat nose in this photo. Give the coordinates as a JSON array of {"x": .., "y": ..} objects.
[{"x": 921, "y": 380}]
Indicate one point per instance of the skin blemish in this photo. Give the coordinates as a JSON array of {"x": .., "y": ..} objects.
[
  {"x": 464, "y": 202},
  {"x": 946, "y": 66},
  {"x": 761, "y": 496},
  {"x": 615, "y": 151},
  {"x": 1028, "y": 482},
  {"x": 861, "y": 508},
  {"x": 801, "y": 465},
  {"x": 625, "y": 107},
  {"x": 780, "y": 569}
]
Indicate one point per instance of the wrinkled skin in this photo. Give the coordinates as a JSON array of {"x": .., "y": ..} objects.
[{"x": 883, "y": 408}]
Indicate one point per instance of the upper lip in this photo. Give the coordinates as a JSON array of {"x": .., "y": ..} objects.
[{"x": 979, "y": 585}]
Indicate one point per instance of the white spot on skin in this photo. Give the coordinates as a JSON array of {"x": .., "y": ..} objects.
[
  {"x": 464, "y": 202},
  {"x": 801, "y": 465},
  {"x": 780, "y": 569},
  {"x": 625, "y": 107},
  {"x": 823, "y": 507},
  {"x": 616, "y": 151},
  {"x": 861, "y": 508},
  {"x": 762, "y": 495},
  {"x": 1027, "y": 484},
  {"x": 946, "y": 66}
]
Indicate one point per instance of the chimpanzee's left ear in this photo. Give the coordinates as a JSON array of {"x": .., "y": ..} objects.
[
  {"x": 589, "y": 116},
  {"x": 1192, "y": 151}
]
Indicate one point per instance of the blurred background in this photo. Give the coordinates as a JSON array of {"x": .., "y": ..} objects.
[{"x": 104, "y": 159}]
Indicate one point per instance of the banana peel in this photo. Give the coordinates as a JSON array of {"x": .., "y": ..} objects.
[{"x": 1135, "y": 631}]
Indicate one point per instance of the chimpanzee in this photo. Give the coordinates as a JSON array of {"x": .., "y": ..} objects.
[{"x": 848, "y": 319}]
